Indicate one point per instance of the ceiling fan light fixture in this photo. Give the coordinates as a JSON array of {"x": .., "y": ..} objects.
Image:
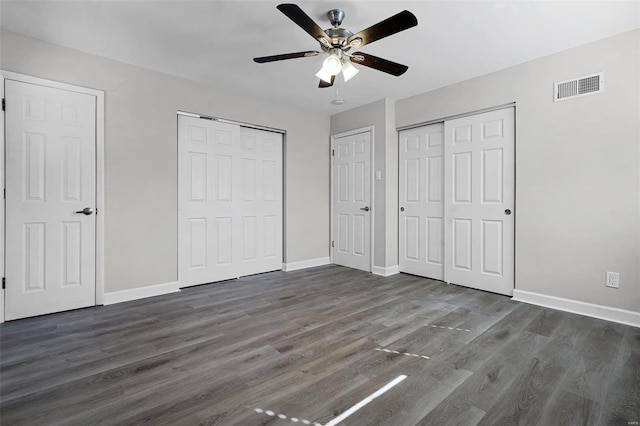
[
  {"x": 349, "y": 71},
  {"x": 332, "y": 65}
]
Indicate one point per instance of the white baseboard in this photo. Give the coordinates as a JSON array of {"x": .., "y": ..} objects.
[
  {"x": 294, "y": 266},
  {"x": 385, "y": 272},
  {"x": 583, "y": 308},
  {"x": 140, "y": 293}
]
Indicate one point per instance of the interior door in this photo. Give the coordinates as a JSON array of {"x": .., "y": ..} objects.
[
  {"x": 421, "y": 226},
  {"x": 229, "y": 201},
  {"x": 50, "y": 200},
  {"x": 352, "y": 201},
  {"x": 260, "y": 201},
  {"x": 479, "y": 201},
  {"x": 207, "y": 216}
]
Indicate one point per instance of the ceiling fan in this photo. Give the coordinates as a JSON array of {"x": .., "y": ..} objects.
[{"x": 338, "y": 43}]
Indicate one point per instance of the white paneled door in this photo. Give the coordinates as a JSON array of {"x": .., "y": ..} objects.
[
  {"x": 456, "y": 198},
  {"x": 479, "y": 201},
  {"x": 50, "y": 200},
  {"x": 352, "y": 201},
  {"x": 230, "y": 201},
  {"x": 421, "y": 224},
  {"x": 260, "y": 201}
]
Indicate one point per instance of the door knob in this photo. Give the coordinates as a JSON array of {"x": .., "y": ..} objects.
[
  {"x": 86, "y": 211},
  {"x": 507, "y": 212},
  {"x": 401, "y": 209},
  {"x": 366, "y": 209}
]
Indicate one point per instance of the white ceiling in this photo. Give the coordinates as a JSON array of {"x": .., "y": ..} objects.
[{"x": 214, "y": 41}]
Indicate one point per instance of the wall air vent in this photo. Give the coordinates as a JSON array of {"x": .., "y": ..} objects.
[{"x": 581, "y": 86}]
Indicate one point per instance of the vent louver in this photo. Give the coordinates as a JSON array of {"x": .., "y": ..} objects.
[{"x": 581, "y": 86}]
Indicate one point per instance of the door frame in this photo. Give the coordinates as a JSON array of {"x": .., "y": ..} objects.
[
  {"x": 372, "y": 174},
  {"x": 100, "y": 205}
]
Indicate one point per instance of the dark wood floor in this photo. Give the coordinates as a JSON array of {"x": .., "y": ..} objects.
[{"x": 310, "y": 344}]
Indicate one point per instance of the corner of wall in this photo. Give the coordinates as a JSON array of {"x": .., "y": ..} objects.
[{"x": 391, "y": 184}]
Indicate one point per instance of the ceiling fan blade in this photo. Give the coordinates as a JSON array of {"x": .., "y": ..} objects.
[
  {"x": 324, "y": 84},
  {"x": 303, "y": 20},
  {"x": 399, "y": 22},
  {"x": 379, "y": 64},
  {"x": 282, "y": 57}
]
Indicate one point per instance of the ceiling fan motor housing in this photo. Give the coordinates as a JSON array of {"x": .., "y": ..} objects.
[{"x": 338, "y": 36}]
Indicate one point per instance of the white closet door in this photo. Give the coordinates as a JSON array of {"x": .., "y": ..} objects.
[
  {"x": 260, "y": 201},
  {"x": 206, "y": 216},
  {"x": 230, "y": 201},
  {"x": 50, "y": 179},
  {"x": 479, "y": 201},
  {"x": 421, "y": 224},
  {"x": 352, "y": 201}
]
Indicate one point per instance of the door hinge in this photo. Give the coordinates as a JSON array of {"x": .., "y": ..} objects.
[
  {"x": 333, "y": 151},
  {"x": 3, "y": 283},
  {"x": 4, "y": 104},
  {"x": 333, "y": 244}
]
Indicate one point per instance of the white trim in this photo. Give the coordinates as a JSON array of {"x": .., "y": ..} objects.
[
  {"x": 451, "y": 117},
  {"x": 50, "y": 83},
  {"x": 385, "y": 272},
  {"x": 100, "y": 194},
  {"x": 372, "y": 170},
  {"x": 621, "y": 316},
  {"x": 2, "y": 206},
  {"x": 239, "y": 123},
  {"x": 100, "y": 203},
  {"x": 303, "y": 264},
  {"x": 140, "y": 293}
]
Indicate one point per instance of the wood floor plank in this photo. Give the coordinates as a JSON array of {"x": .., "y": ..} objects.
[
  {"x": 622, "y": 400},
  {"x": 566, "y": 408},
  {"x": 527, "y": 397},
  {"x": 592, "y": 368},
  {"x": 453, "y": 412},
  {"x": 493, "y": 379}
]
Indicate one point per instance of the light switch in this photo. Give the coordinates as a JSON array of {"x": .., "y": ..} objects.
[{"x": 378, "y": 175}]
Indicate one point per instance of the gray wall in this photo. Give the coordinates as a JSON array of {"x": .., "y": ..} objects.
[
  {"x": 577, "y": 167},
  {"x": 141, "y": 163},
  {"x": 578, "y": 163}
]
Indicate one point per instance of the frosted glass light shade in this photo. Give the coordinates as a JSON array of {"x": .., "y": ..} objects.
[
  {"x": 332, "y": 64},
  {"x": 349, "y": 71},
  {"x": 324, "y": 75}
]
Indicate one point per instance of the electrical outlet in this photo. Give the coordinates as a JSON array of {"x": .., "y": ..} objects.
[{"x": 612, "y": 280}]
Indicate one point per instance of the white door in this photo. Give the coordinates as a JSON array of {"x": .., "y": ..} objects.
[
  {"x": 50, "y": 178},
  {"x": 230, "y": 201},
  {"x": 479, "y": 201},
  {"x": 421, "y": 225},
  {"x": 352, "y": 201},
  {"x": 206, "y": 212},
  {"x": 260, "y": 201}
]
